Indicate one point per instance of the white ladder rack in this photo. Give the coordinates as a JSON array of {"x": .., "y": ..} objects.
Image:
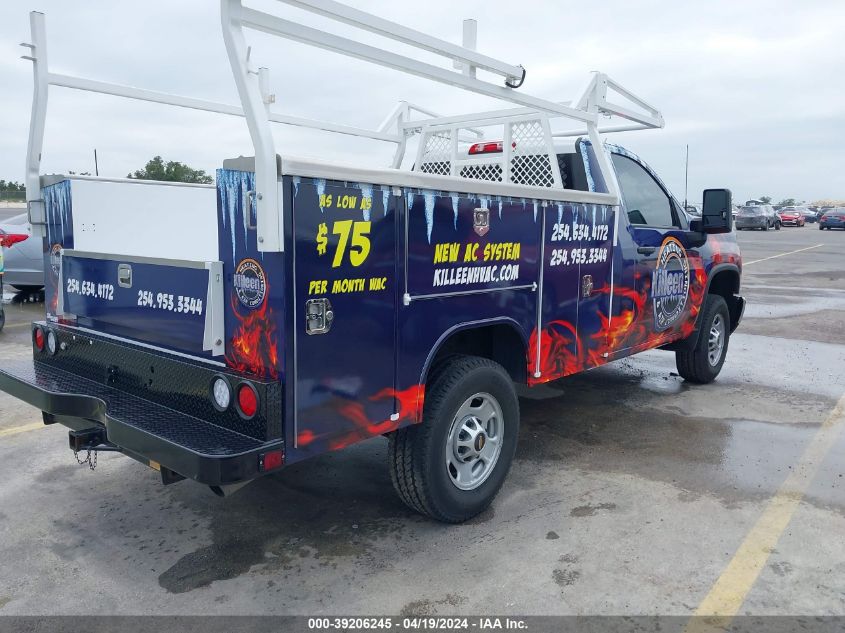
[{"x": 528, "y": 138}]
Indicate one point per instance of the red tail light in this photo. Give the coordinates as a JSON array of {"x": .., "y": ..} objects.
[
  {"x": 486, "y": 148},
  {"x": 10, "y": 239},
  {"x": 38, "y": 338},
  {"x": 823, "y": 218},
  {"x": 247, "y": 400}
]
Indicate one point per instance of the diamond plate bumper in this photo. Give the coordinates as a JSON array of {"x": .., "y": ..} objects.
[{"x": 190, "y": 446}]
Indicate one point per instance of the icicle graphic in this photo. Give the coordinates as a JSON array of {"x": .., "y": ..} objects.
[
  {"x": 559, "y": 213},
  {"x": 246, "y": 205},
  {"x": 455, "y": 210},
  {"x": 535, "y": 211},
  {"x": 429, "y": 213},
  {"x": 231, "y": 201},
  {"x": 499, "y": 202},
  {"x": 367, "y": 192},
  {"x": 385, "y": 197},
  {"x": 296, "y": 181},
  {"x": 321, "y": 190}
]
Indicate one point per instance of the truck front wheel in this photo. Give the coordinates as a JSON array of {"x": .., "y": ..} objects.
[
  {"x": 704, "y": 362},
  {"x": 451, "y": 466}
]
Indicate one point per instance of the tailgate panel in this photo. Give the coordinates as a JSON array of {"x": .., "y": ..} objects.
[{"x": 170, "y": 303}]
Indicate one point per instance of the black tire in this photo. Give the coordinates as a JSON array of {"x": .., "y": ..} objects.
[
  {"x": 821, "y": 228},
  {"x": 694, "y": 365},
  {"x": 2, "y": 317},
  {"x": 416, "y": 453},
  {"x": 777, "y": 226}
]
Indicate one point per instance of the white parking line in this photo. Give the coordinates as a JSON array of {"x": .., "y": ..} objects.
[{"x": 756, "y": 261}]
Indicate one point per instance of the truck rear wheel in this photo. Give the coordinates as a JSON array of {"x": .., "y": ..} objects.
[
  {"x": 451, "y": 466},
  {"x": 704, "y": 362}
]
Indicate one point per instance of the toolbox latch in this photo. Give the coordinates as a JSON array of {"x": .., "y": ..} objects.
[{"x": 318, "y": 316}]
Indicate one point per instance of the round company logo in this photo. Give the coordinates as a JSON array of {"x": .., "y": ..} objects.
[
  {"x": 250, "y": 283},
  {"x": 670, "y": 283},
  {"x": 56, "y": 259}
]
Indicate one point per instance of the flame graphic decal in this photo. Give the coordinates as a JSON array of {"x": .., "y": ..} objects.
[
  {"x": 253, "y": 348},
  {"x": 632, "y": 326},
  {"x": 410, "y": 404}
]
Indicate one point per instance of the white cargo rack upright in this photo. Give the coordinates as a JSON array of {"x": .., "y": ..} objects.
[{"x": 530, "y": 122}]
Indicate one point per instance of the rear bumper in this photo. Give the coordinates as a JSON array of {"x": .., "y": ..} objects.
[{"x": 172, "y": 433}]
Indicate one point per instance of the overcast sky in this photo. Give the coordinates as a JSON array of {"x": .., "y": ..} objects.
[{"x": 755, "y": 87}]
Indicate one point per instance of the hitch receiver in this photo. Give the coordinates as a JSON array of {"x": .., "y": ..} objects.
[{"x": 86, "y": 439}]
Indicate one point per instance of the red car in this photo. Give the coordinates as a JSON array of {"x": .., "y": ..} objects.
[{"x": 790, "y": 216}]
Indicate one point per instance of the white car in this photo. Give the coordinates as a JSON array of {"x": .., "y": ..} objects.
[{"x": 24, "y": 262}]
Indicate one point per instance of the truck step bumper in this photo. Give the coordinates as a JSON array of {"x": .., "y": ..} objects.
[{"x": 189, "y": 446}]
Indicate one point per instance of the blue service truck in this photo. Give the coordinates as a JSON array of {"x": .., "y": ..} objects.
[{"x": 219, "y": 333}]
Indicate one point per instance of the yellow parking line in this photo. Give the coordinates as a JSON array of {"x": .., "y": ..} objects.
[
  {"x": 21, "y": 429},
  {"x": 727, "y": 595},
  {"x": 757, "y": 261}
]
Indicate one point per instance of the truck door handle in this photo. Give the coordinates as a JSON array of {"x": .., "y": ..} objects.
[{"x": 646, "y": 250}]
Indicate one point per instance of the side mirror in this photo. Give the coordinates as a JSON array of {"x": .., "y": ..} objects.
[{"x": 716, "y": 216}]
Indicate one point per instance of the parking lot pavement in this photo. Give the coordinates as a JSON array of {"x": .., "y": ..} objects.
[{"x": 632, "y": 493}]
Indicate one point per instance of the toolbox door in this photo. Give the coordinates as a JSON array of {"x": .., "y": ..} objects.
[
  {"x": 344, "y": 313},
  {"x": 594, "y": 254}
]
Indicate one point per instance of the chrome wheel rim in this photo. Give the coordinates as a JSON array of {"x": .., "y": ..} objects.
[
  {"x": 474, "y": 442},
  {"x": 716, "y": 340}
]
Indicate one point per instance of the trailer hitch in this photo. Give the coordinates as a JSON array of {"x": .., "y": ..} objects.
[{"x": 91, "y": 441}]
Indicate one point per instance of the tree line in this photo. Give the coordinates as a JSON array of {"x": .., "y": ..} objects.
[{"x": 155, "y": 169}]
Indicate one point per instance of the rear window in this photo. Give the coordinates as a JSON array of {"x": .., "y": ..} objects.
[{"x": 750, "y": 211}]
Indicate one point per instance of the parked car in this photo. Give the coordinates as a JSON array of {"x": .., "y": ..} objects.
[
  {"x": 25, "y": 262},
  {"x": 791, "y": 216},
  {"x": 811, "y": 216},
  {"x": 758, "y": 216},
  {"x": 833, "y": 219}
]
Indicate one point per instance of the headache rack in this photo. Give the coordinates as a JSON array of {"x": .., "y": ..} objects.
[{"x": 527, "y": 159}]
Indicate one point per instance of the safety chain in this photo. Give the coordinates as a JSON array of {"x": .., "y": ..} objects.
[{"x": 92, "y": 463}]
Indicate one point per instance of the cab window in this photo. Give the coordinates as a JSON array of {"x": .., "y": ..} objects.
[{"x": 645, "y": 201}]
